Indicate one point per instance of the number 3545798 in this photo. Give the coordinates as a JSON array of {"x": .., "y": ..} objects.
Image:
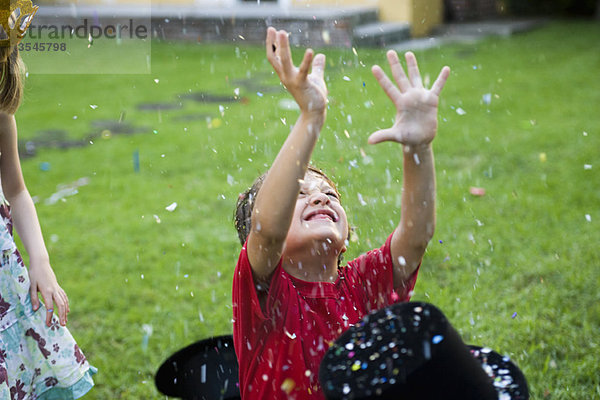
[{"x": 42, "y": 46}]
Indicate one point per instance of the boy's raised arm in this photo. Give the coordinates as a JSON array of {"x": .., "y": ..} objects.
[
  {"x": 415, "y": 128},
  {"x": 275, "y": 202}
]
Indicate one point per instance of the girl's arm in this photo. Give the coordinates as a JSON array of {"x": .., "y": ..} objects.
[
  {"x": 27, "y": 225},
  {"x": 276, "y": 199},
  {"x": 415, "y": 128}
]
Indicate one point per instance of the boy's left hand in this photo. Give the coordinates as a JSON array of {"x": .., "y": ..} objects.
[{"x": 416, "y": 106}]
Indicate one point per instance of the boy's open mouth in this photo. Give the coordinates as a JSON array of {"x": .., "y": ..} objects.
[{"x": 322, "y": 213}]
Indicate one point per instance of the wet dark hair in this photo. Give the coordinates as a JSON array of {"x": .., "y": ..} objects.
[
  {"x": 11, "y": 79},
  {"x": 245, "y": 203}
]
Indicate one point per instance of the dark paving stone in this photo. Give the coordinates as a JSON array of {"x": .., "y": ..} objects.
[
  {"x": 158, "y": 106},
  {"x": 117, "y": 127},
  {"x": 202, "y": 97}
]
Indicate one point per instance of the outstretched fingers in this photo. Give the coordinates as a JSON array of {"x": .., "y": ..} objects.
[
  {"x": 439, "y": 83},
  {"x": 318, "y": 66},
  {"x": 284, "y": 52},
  {"x": 305, "y": 65},
  {"x": 271, "y": 44},
  {"x": 278, "y": 51},
  {"x": 397, "y": 71},
  {"x": 387, "y": 85},
  {"x": 413, "y": 70}
]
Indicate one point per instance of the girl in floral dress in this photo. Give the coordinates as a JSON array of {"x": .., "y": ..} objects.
[{"x": 38, "y": 357}]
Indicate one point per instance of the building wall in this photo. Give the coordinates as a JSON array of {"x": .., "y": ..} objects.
[{"x": 423, "y": 15}]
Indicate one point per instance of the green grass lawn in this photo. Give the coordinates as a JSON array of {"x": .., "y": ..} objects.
[{"x": 516, "y": 269}]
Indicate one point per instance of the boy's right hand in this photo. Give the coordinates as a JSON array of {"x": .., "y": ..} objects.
[{"x": 309, "y": 90}]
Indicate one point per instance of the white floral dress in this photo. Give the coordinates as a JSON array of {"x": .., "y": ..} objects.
[{"x": 36, "y": 361}]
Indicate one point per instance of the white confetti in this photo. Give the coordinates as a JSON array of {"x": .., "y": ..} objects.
[
  {"x": 587, "y": 166},
  {"x": 171, "y": 207},
  {"x": 588, "y": 217},
  {"x": 347, "y": 79},
  {"x": 460, "y": 111},
  {"x": 93, "y": 106},
  {"x": 361, "y": 201}
]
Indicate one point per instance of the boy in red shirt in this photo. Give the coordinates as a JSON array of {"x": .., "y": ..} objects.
[{"x": 291, "y": 298}]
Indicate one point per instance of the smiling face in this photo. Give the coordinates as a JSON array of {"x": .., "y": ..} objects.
[{"x": 319, "y": 222}]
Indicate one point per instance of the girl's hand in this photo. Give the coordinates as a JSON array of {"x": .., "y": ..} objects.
[
  {"x": 44, "y": 281},
  {"x": 416, "y": 117},
  {"x": 309, "y": 91}
]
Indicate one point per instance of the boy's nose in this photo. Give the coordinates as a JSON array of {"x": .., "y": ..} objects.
[{"x": 319, "y": 198}]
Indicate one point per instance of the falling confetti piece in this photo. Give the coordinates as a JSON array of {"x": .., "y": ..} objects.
[
  {"x": 587, "y": 166},
  {"x": 477, "y": 191},
  {"x": 136, "y": 161},
  {"x": 346, "y": 78},
  {"x": 486, "y": 98},
  {"x": 360, "y": 200},
  {"x": 171, "y": 207},
  {"x": 290, "y": 335},
  {"x": 543, "y": 157},
  {"x": 216, "y": 123},
  {"x": 588, "y": 217},
  {"x": 93, "y": 106},
  {"x": 460, "y": 111},
  {"x": 288, "y": 385},
  {"x": 156, "y": 80},
  {"x": 325, "y": 36},
  {"x": 514, "y": 315},
  {"x": 156, "y": 218}
]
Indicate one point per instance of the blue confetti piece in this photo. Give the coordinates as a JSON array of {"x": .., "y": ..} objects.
[
  {"x": 514, "y": 315},
  {"x": 136, "y": 161},
  {"x": 437, "y": 339}
]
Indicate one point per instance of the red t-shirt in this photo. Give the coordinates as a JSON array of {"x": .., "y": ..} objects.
[{"x": 279, "y": 349}]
